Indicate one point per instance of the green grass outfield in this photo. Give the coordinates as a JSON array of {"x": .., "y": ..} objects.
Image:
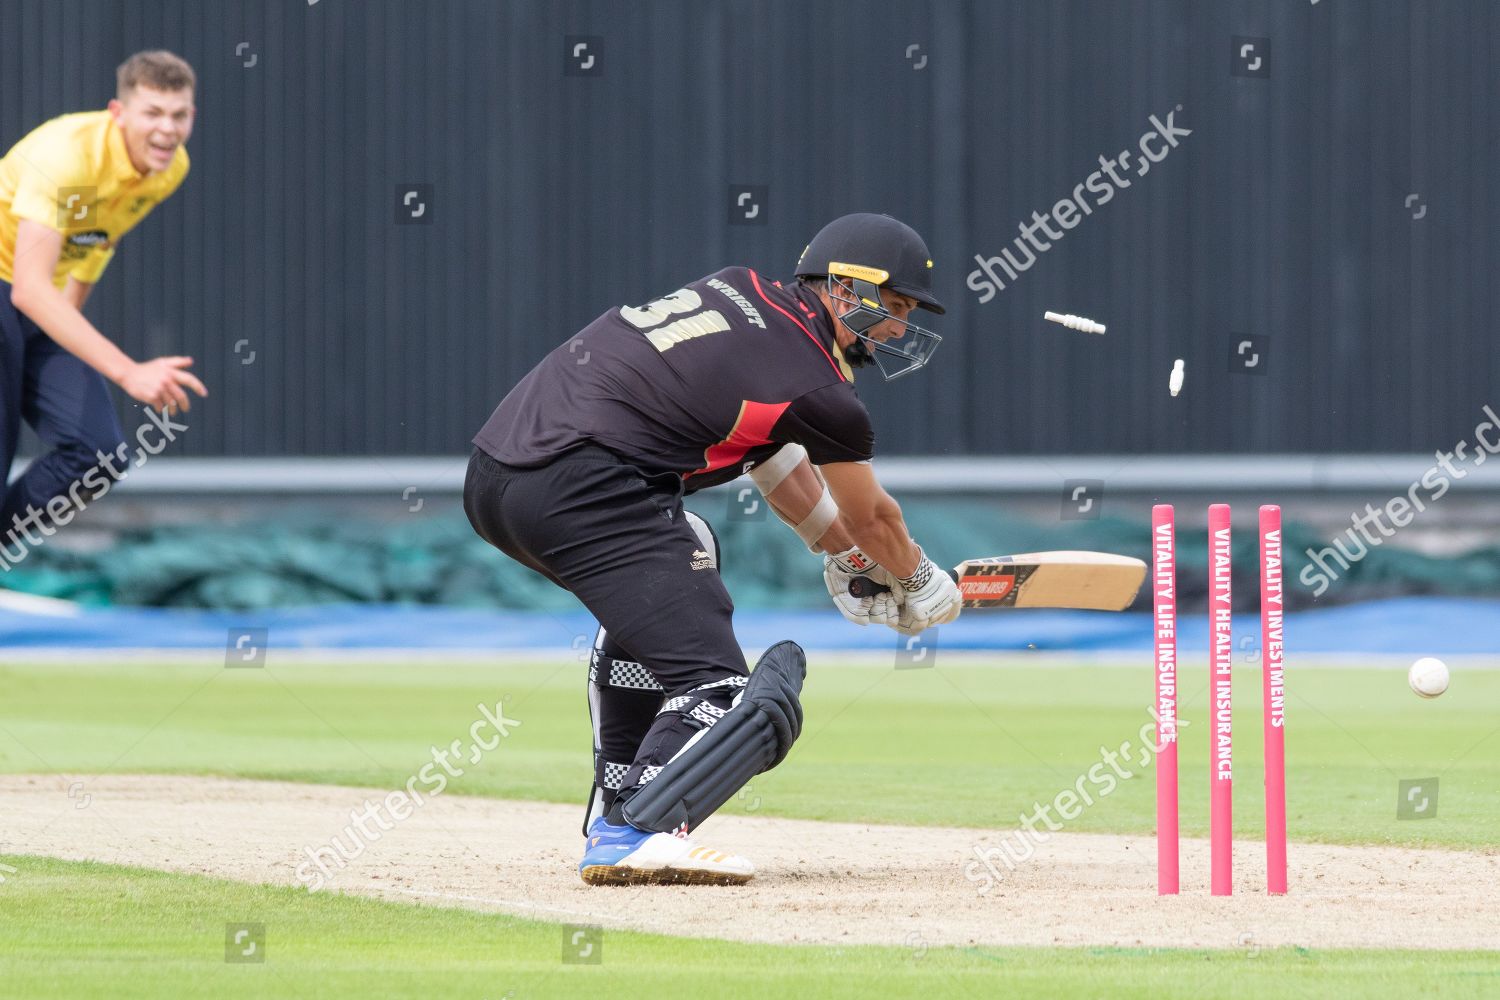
[
  {"x": 963, "y": 744},
  {"x": 968, "y": 743}
]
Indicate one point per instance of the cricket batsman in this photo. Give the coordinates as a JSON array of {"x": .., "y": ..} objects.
[
  {"x": 69, "y": 190},
  {"x": 580, "y": 474}
]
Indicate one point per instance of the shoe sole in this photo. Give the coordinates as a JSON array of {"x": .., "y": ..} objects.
[{"x": 620, "y": 875}]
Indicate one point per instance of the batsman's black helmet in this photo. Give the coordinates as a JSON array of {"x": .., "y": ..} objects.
[{"x": 873, "y": 243}]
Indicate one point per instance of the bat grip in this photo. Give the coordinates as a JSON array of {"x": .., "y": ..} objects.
[{"x": 863, "y": 586}]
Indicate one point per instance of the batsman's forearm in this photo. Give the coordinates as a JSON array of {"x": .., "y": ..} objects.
[
  {"x": 885, "y": 539},
  {"x": 835, "y": 539},
  {"x": 50, "y": 310},
  {"x": 796, "y": 496}
]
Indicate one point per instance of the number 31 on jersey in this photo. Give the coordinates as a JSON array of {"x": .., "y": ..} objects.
[{"x": 649, "y": 317}]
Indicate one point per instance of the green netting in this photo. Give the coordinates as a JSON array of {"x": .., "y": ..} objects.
[{"x": 438, "y": 560}]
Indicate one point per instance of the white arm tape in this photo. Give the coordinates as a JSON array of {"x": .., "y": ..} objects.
[
  {"x": 817, "y": 521},
  {"x": 769, "y": 474}
]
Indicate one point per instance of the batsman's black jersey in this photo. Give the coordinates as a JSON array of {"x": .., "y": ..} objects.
[{"x": 705, "y": 383}]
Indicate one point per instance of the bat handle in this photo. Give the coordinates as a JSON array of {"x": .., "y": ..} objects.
[{"x": 863, "y": 586}]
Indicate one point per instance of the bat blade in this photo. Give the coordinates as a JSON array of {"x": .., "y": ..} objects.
[
  {"x": 1092, "y": 581},
  {"x": 1096, "y": 581}
]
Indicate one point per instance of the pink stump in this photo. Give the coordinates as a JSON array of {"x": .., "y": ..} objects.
[
  {"x": 1272, "y": 606},
  {"x": 1164, "y": 609},
  {"x": 1221, "y": 769}
]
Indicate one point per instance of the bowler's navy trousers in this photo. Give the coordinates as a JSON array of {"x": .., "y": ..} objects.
[{"x": 64, "y": 400}]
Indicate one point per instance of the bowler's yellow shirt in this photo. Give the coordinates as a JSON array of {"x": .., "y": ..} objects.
[{"x": 72, "y": 174}]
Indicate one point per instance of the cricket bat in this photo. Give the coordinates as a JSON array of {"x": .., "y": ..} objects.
[{"x": 1096, "y": 581}]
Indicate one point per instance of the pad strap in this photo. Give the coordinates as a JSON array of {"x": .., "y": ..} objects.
[
  {"x": 613, "y": 775},
  {"x": 608, "y": 672},
  {"x": 753, "y": 736}
]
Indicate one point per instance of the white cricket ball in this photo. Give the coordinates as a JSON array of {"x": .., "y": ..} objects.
[{"x": 1428, "y": 677}]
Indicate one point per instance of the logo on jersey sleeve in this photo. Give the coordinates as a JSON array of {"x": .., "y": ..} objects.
[{"x": 77, "y": 246}]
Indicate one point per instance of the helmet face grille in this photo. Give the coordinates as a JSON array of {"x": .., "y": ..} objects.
[{"x": 900, "y": 355}]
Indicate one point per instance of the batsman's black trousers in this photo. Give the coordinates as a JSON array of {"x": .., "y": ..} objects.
[{"x": 597, "y": 527}]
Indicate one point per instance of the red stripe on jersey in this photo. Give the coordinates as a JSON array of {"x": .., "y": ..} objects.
[
  {"x": 751, "y": 429},
  {"x": 755, "y": 280}
]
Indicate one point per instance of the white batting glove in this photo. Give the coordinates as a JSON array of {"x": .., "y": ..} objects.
[
  {"x": 840, "y": 568},
  {"x": 932, "y": 598}
]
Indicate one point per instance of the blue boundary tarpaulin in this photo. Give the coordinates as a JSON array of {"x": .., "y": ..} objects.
[{"x": 1414, "y": 625}]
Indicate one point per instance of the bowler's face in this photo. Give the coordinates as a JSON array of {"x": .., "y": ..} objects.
[{"x": 154, "y": 123}]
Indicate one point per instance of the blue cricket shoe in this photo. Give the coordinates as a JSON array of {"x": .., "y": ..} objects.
[{"x": 625, "y": 855}]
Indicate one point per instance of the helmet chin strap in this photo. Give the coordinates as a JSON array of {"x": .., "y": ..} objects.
[{"x": 857, "y": 355}]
